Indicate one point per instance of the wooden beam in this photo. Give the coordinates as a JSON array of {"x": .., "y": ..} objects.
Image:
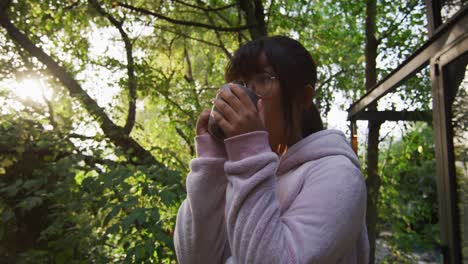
[
  {"x": 434, "y": 19},
  {"x": 394, "y": 116}
]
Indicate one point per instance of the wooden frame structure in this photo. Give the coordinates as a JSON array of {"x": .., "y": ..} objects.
[{"x": 447, "y": 42}]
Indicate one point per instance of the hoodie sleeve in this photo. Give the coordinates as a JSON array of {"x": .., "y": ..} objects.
[
  {"x": 200, "y": 231},
  {"x": 320, "y": 226}
]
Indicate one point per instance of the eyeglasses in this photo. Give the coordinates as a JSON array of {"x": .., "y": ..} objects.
[{"x": 260, "y": 83}]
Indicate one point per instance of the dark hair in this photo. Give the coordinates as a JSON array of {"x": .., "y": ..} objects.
[{"x": 295, "y": 69}]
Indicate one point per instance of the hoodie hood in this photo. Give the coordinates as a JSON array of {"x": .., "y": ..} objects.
[{"x": 321, "y": 144}]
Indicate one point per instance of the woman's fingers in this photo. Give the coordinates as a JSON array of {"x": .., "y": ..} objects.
[
  {"x": 225, "y": 109},
  {"x": 237, "y": 114},
  {"x": 222, "y": 122},
  {"x": 243, "y": 98},
  {"x": 202, "y": 123},
  {"x": 231, "y": 99}
]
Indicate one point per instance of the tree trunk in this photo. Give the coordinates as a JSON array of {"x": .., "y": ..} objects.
[
  {"x": 255, "y": 17},
  {"x": 373, "y": 179}
]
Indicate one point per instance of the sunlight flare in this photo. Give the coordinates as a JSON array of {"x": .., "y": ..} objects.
[{"x": 32, "y": 89}]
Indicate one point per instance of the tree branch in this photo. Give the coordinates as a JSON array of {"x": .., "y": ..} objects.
[
  {"x": 181, "y": 22},
  {"x": 173, "y": 155},
  {"x": 81, "y": 137},
  {"x": 394, "y": 26},
  {"x": 93, "y": 160},
  {"x": 132, "y": 82},
  {"x": 189, "y": 75},
  {"x": 51, "y": 113},
  {"x": 187, "y": 140},
  {"x": 37, "y": 108},
  {"x": 207, "y": 89},
  {"x": 72, "y": 5},
  {"x": 114, "y": 132},
  {"x": 175, "y": 104},
  {"x": 387, "y": 134},
  {"x": 239, "y": 21},
  {"x": 207, "y": 9},
  {"x": 190, "y": 79},
  {"x": 329, "y": 79},
  {"x": 218, "y": 36},
  {"x": 165, "y": 94},
  {"x": 231, "y": 24},
  {"x": 254, "y": 15},
  {"x": 190, "y": 37}
]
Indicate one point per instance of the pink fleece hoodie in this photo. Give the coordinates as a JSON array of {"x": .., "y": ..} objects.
[{"x": 246, "y": 205}]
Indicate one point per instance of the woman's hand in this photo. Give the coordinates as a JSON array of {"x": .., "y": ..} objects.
[
  {"x": 238, "y": 114},
  {"x": 202, "y": 122}
]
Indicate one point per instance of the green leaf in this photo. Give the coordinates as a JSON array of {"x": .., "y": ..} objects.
[
  {"x": 12, "y": 189},
  {"x": 167, "y": 197},
  {"x": 111, "y": 215},
  {"x": 30, "y": 203}
]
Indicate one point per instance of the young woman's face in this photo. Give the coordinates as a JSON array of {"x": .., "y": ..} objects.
[{"x": 270, "y": 92}]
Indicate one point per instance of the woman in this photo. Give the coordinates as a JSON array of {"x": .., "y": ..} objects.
[{"x": 303, "y": 202}]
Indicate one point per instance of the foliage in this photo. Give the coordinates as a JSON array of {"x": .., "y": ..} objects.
[
  {"x": 408, "y": 205},
  {"x": 54, "y": 199}
]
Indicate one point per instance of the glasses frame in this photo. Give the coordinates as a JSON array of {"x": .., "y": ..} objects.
[{"x": 270, "y": 79}]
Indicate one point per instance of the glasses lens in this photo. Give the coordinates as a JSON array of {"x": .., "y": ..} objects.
[{"x": 259, "y": 83}]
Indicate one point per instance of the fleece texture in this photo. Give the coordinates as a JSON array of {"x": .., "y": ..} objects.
[{"x": 247, "y": 205}]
